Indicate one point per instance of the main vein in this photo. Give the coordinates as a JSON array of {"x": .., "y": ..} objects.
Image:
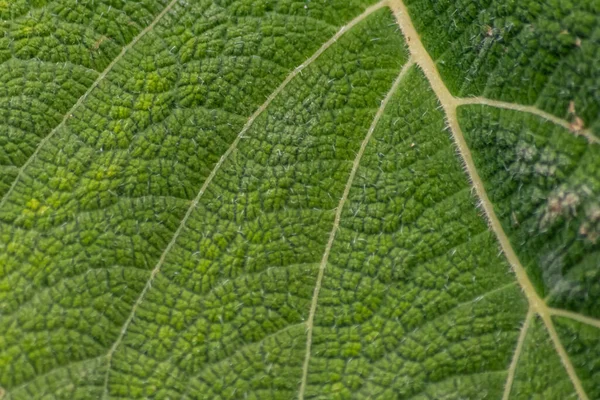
[
  {"x": 82, "y": 99},
  {"x": 217, "y": 166},
  {"x": 449, "y": 104},
  {"x": 336, "y": 224}
]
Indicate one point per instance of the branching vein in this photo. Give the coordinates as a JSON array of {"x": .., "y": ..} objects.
[
  {"x": 562, "y": 353},
  {"x": 586, "y": 133},
  {"x": 518, "y": 350},
  {"x": 336, "y": 224},
  {"x": 575, "y": 316}
]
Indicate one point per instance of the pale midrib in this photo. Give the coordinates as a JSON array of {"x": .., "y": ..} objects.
[
  {"x": 515, "y": 360},
  {"x": 336, "y": 225},
  {"x": 217, "y": 166},
  {"x": 80, "y": 101},
  {"x": 449, "y": 104},
  {"x": 586, "y": 133}
]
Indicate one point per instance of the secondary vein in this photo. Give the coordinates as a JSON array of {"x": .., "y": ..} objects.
[
  {"x": 518, "y": 350},
  {"x": 82, "y": 99},
  {"x": 216, "y": 168},
  {"x": 562, "y": 353},
  {"x": 575, "y": 316},
  {"x": 336, "y": 224},
  {"x": 586, "y": 133}
]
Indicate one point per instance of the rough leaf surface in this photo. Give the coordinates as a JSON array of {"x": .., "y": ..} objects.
[{"x": 279, "y": 199}]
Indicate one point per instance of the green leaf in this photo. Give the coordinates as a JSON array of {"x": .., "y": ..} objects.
[{"x": 279, "y": 199}]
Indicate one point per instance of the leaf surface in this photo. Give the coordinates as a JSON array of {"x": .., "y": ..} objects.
[{"x": 288, "y": 199}]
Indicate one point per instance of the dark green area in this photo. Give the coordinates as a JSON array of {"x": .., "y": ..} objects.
[{"x": 544, "y": 183}]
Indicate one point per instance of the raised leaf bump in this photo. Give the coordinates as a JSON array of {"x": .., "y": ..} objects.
[{"x": 264, "y": 199}]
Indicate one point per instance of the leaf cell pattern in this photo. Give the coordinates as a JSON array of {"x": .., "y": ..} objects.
[
  {"x": 50, "y": 54},
  {"x": 286, "y": 199}
]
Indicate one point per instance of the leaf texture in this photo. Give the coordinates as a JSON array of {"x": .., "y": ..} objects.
[{"x": 239, "y": 199}]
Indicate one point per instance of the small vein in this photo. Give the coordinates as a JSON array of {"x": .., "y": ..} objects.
[
  {"x": 336, "y": 224},
  {"x": 586, "y": 133},
  {"x": 78, "y": 364},
  {"x": 428, "y": 395},
  {"x": 241, "y": 350},
  {"x": 575, "y": 316},
  {"x": 82, "y": 99},
  {"x": 562, "y": 353},
  {"x": 518, "y": 350},
  {"x": 449, "y": 104},
  {"x": 217, "y": 166}
]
